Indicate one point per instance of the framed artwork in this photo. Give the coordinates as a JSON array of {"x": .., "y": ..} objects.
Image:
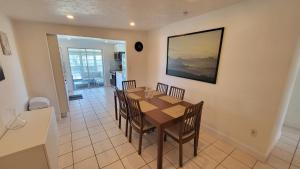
[
  {"x": 4, "y": 44},
  {"x": 195, "y": 55},
  {"x": 2, "y": 77}
]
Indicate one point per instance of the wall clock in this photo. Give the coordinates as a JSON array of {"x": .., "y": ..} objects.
[{"x": 138, "y": 46}]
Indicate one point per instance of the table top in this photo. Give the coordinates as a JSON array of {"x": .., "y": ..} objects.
[{"x": 156, "y": 116}]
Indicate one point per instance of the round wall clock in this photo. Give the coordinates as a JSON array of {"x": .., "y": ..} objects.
[{"x": 138, "y": 46}]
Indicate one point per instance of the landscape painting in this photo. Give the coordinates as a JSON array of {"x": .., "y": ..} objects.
[{"x": 195, "y": 55}]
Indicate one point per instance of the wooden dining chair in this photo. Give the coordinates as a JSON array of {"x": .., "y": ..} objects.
[
  {"x": 187, "y": 129},
  {"x": 177, "y": 92},
  {"x": 163, "y": 88},
  {"x": 137, "y": 121},
  {"x": 128, "y": 84},
  {"x": 123, "y": 109}
]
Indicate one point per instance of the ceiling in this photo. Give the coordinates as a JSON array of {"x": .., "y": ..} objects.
[{"x": 147, "y": 14}]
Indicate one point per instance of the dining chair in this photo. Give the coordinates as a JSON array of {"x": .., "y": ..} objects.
[
  {"x": 187, "y": 128},
  {"x": 128, "y": 84},
  {"x": 137, "y": 121},
  {"x": 123, "y": 109},
  {"x": 177, "y": 92},
  {"x": 163, "y": 88}
]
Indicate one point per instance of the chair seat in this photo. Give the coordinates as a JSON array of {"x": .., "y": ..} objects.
[
  {"x": 147, "y": 125},
  {"x": 174, "y": 132}
]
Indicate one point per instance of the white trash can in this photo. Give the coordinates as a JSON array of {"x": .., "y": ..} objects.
[{"x": 38, "y": 103}]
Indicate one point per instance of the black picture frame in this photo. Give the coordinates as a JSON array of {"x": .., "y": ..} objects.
[
  {"x": 2, "y": 77},
  {"x": 211, "y": 80}
]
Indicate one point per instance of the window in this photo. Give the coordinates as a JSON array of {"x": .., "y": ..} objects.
[{"x": 86, "y": 64}]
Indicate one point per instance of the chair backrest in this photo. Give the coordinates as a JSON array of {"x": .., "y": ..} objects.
[
  {"x": 191, "y": 119},
  {"x": 128, "y": 84},
  {"x": 135, "y": 114},
  {"x": 122, "y": 101},
  {"x": 163, "y": 88},
  {"x": 177, "y": 92}
]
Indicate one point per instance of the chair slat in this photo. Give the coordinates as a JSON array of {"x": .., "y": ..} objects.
[
  {"x": 122, "y": 101},
  {"x": 177, "y": 92},
  {"x": 135, "y": 114},
  {"x": 163, "y": 88},
  {"x": 128, "y": 84},
  {"x": 191, "y": 119}
]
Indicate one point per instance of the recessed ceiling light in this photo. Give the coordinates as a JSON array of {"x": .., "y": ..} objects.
[
  {"x": 132, "y": 24},
  {"x": 70, "y": 16}
]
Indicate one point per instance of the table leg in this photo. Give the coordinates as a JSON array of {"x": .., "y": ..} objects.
[
  {"x": 160, "y": 142},
  {"x": 116, "y": 107}
]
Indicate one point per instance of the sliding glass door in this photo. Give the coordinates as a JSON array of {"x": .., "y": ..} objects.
[{"x": 86, "y": 67}]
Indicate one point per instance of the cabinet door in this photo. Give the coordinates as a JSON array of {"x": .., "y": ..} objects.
[
  {"x": 32, "y": 158},
  {"x": 51, "y": 144}
]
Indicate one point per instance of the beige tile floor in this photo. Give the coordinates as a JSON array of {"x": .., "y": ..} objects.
[{"x": 89, "y": 138}]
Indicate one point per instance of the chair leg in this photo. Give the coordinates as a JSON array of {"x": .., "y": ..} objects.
[
  {"x": 140, "y": 143},
  {"x": 180, "y": 154},
  {"x": 195, "y": 146},
  {"x": 119, "y": 121},
  {"x": 130, "y": 132},
  {"x": 165, "y": 137},
  {"x": 126, "y": 130}
]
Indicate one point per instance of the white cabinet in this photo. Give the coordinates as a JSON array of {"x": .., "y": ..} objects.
[{"x": 34, "y": 146}]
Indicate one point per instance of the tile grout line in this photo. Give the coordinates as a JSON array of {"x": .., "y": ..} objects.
[
  {"x": 242, "y": 161},
  {"x": 295, "y": 152},
  {"x": 128, "y": 154},
  {"x": 234, "y": 148},
  {"x": 89, "y": 136},
  {"x": 71, "y": 140},
  {"x": 164, "y": 153},
  {"x": 107, "y": 139},
  {"x": 210, "y": 144},
  {"x": 69, "y": 118},
  {"x": 110, "y": 142},
  {"x": 255, "y": 164},
  {"x": 225, "y": 157}
]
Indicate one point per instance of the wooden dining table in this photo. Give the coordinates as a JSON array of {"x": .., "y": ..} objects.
[{"x": 158, "y": 118}]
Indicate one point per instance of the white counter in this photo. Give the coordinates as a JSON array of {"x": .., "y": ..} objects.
[{"x": 34, "y": 146}]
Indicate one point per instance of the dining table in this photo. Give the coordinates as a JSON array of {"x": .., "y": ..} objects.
[{"x": 156, "y": 113}]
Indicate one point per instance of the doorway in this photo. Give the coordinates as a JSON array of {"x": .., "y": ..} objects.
[{"x": 91, "y": 63}]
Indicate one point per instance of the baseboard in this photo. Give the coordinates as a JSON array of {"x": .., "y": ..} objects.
[
  {"x": 292, "y": 125},
  {"x": 274, "y": 142},
  {"x": 258, "y": 155}
]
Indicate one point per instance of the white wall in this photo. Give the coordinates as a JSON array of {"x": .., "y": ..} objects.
[
  {"x": 31, "y": 39},
  {"x": 12, "y": 90},
  {"x": 56, "y": 65},
  {"x": 293, "y": 113},
  {"x": 258, "y": 46},
  {"x": 107, "y": 54}
]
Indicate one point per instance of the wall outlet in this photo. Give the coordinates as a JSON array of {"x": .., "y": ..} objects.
[{"x": 253, "y": 132}]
